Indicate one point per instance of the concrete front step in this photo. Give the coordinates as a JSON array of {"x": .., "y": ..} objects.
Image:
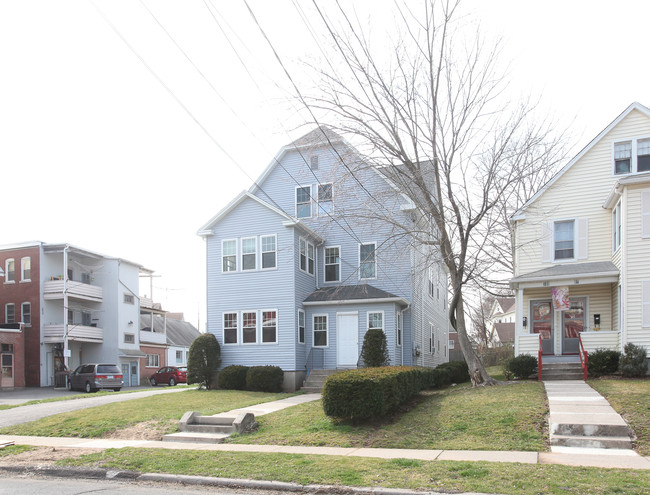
[
  {"x": 316, "y": 379},
  {"x": 587, "y": 430},
  {"x": 201, "y": 428},
  {"x": 195, "y": 437},
  {"x": 592, "y": 442},
  {"x": 562, "y": 371}
]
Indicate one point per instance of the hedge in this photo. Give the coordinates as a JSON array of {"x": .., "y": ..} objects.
[
  {"x": 265, "y": 378},
  {"x": 233, "y": 377}
]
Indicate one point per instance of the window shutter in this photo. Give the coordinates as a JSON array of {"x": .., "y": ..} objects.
[
  {"x": 645, "y": 303},
  {"x": 547, "y": 242},
  {"x": 645, "y": 213},
  {"x": 583, "y": 238}
]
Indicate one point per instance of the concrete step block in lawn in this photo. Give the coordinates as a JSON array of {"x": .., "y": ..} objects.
[{"x": 210, "y": 429}]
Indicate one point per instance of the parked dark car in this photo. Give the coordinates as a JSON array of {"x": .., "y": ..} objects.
[
  {"x": 92, "y": 377},
  {"x": 169, "y": 374}
]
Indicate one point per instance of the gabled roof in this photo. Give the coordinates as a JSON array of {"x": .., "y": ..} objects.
[
  {"x": 518, "y": 215},
  {"x": 179, "y": 333},
  {"x": 289, "y": 221},
  {"x": 347, "y": 294},
  {"x": 507, "y": 304},
  {"x": 505, "y": 332}
]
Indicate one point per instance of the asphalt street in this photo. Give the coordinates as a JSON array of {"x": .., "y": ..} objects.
[{"x": 33, "y": 412}]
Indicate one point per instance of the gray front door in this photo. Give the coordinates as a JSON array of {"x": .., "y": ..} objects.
[
  {"x": 542, "y": 323},
  {"x": 135, "y": 381},
  {"x": 125, "y": 375},
  {"x": 573, "y": 323}
]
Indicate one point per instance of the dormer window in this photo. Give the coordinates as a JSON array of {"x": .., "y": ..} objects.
[{"x": 632, "y": 156}]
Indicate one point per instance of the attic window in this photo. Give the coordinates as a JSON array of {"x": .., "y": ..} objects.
[
  {"x": 643, "y": 155},
  {"x": 622, "y": 157},
  {"x": 313, "y": 162}
]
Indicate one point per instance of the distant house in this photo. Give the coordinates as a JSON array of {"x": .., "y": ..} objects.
[
  {"x": 73, "y": 306},
  {"x": 501, "y": 321},
  {"x": 302, "y": 264},
  {"x": 582, "y": 262}
]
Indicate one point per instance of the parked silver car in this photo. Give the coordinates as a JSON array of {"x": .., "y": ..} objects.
[{"x": 92, "y": 377}]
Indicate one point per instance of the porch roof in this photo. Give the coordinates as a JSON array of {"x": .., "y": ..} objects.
[
  {"x": 351, "y": 294},
  {"x": 568, "y": 274}
]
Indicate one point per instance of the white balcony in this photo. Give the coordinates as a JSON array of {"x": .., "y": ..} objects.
[
  {"x": 152, "y": 337},
  {"x": 53, "y": 289},
  {"x": 53, "y": 334}
]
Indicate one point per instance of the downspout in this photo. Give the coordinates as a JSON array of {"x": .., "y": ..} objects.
[{"x": 66, "y": 350}]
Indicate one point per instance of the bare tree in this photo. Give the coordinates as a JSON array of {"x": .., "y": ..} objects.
[{"x": 431, "y": 114}]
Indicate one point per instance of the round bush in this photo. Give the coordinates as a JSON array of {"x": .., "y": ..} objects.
[
  {"x": 458, "y": 371},
  {"x": 375, "y": 349},
  {"x": 204, "y": 360},
  {"x": 233, "y": 377},
  {"x": 522, "y": 366},
  {"x": 603, "y": 362},
  {"x": 265, "y": 378},
  {"x": 633, "y": 361}
]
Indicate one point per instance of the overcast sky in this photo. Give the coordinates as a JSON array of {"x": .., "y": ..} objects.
[{"x": 128, "y": 151}]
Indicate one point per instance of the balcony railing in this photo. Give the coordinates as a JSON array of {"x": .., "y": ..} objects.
[
  {"x": 53, "y": 289},
  {"x": 152, "y": 337},
  {"x": 53, "y": 334}
]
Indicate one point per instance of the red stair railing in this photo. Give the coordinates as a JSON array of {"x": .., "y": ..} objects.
[
  {"x": 583, "y": 357},
  {"x": 539, "y": 359}
]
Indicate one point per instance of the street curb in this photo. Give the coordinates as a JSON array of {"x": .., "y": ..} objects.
[{"x": 108, "y": 474}]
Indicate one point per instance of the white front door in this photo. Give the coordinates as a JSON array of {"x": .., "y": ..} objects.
[{"x": 347, "y": 339}]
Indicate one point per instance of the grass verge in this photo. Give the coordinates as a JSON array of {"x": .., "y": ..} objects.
[
  {"x": 630, "y": 398},
  {"x": 449, "y": 476},
  {"x": 504, "y": 417},
  {"x": 160, "y": 411},
  {"x": 14, "y": 449}
]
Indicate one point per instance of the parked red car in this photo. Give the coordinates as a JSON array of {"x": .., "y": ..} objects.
[{"x": 169, "y": 374}]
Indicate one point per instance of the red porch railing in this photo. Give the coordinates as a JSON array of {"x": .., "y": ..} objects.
[
  {"x": 583, "y": 357},
  {"x": 539, "y": 359}
]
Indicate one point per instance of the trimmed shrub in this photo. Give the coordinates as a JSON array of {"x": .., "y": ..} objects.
[
  {"x": 370, "y": 392},
  {"x": 374, "y": 351},
  {"x": 522, "y": 366},
  {"x": 633, "y": 361},
  {"x": 603, "y": 362},
  {"x": 204, "y": 360},
  {"x": 233, "y": 377},
  {"x": 458, "y": 371},
  {"x": 265, "y": 378}
]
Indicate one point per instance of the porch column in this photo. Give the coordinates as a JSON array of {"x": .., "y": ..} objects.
[{"x": 519, "y": 318}]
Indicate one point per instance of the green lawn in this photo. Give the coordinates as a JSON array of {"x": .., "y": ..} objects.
[
  {"x": 631, "y": 399},
  {"x": 504, "y": 417},
  {"x": 161, "y": 412},
  {"x": 507, "y": 478}
]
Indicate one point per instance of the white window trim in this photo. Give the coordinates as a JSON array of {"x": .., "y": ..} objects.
[
  {"x": 307, "y": 244},
  {"x": 146, "y": 360},
  {"x": 325, "y": 264},
  {"x": 275, "y": 236},
  {"x": 124, "y": 338},
  {"x": 383, "y": 321},
  {"x": 359, "y": 260},
  {"x": 257, "y": 326},
  {"x": 6, "y": 316},
  {"x": 236, "y": 255},
  {"x": 575, "y": 240},
  {"x": 311, "y": 201},
  {"x": 327, "y": 330},
  {"x": 633, "y": 156},
  {"x": 304, "y": 322},
  {"x": 432, "y": 340},
  {"x": 399, "y": 328},
  {"x": 277, "y": 326},
  {"x": 22, "y": 314},
  {"x": 617, "y": 230},
  {"x": 451, "y": 344},
  {"x": 241, "y": 254},
  {"x": 237, "y": 328},
  {"x": 7, "y": 261},
  {"x": 321, "y": 211},
  {"x": 22, "y": 269}
]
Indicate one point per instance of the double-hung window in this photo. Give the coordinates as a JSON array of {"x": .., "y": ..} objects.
[
  {"x": 229, "y": 255},
  {"x": 153, "y": 361},
  {"x": 306, "y": 256},
  {"x": 10, "y": 271},
  {"x": 623, "y": 158},
  {"x": 10, "y": 313},
  {"x": 320, "y": 331},
  {"x": 324, "y": 198},
  {"x": 269, "y": 327},
  {"x": 179, "y": 357},
  {"x": 249, "y": 327},
  {"x": 301, "y": 326},
  {"x": 643, "y": 155},
  {"x": 616, "y": 227},
  {"x": 303, "y": 202},
  {"x": 25, "y": 269},
  {"x": 333, "y": 264},
  {"x": 230, "y": 334},
  {"x": 26, "y": 310},
  {"x": 564, "y": 240},
  {"x": 376, "y": 321},
  {"x": 367, "y": 260},
  {"x": 269, "y": 251},
  {"x": 431, "y": 339},
  {"x": 249, "y": 253},
  {"x": 399, "y": 324},
  {"x": 632, "y": 156}
]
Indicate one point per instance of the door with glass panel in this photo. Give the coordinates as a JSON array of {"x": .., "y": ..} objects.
[
  {"x": 542, "y": 323},
  {"x": 573, "y": 323},
  {"x": 7, "y": 377}
]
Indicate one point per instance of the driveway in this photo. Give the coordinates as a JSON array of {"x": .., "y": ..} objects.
[{"x": 25, "y": 414}]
